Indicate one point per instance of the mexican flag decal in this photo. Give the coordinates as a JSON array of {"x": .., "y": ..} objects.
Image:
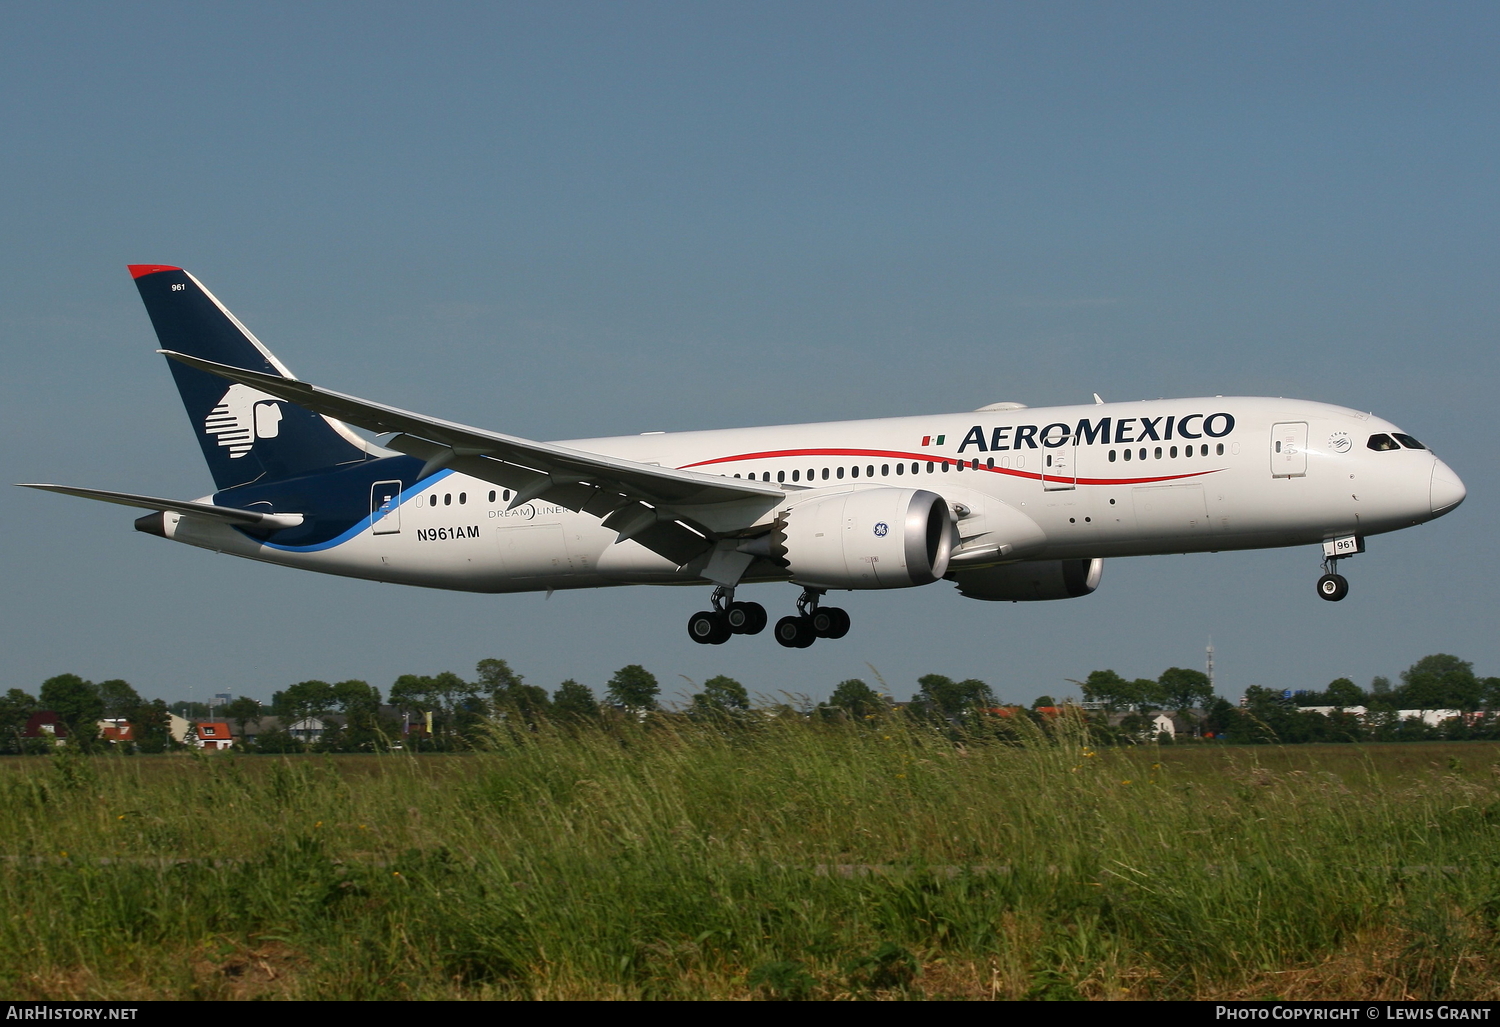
[{"x": 928, "y": 441}]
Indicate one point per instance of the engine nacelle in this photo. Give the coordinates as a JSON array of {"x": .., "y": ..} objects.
[
  {"x": 1032, "y": 580},
  {"x": 866, "y": 538}
]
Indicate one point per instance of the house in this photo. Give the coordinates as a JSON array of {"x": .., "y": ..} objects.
[
  {"x": 214, "y": 735},
  {"x": 45, "y": 724},
  {"x": 116, "y": 729}
]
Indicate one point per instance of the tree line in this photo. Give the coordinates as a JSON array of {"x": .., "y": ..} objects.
[{"x": 447, "y": 712}]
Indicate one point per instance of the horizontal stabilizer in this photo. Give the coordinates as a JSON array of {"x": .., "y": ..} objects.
[{"x": 227, "y": 514}]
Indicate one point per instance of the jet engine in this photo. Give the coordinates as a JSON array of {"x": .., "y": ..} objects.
[
  {"x": 865, "y": 538},
  {"x": 1032, "y": 580}
]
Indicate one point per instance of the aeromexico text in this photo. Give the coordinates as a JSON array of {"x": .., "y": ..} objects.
[{"x": 1103, "y": 431}]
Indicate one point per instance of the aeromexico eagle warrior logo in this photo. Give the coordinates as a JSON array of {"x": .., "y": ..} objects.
[{"x": 243, "y": 415}]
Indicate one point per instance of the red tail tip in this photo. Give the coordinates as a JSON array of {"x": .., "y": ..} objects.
[{"x": 141, "y": 270}]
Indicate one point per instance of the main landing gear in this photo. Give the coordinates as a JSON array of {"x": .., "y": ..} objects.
[
  {"x": 812, "y": 622},
  {"x": 1332, "y": 586},
  {"x": 713, "y": 627}
]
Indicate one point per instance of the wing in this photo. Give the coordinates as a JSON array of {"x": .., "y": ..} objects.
[
  {"x": 676, "y": 513},
  {"x": 228, "y": 514}
]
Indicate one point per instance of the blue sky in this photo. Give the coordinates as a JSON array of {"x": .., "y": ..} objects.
[{"x": 563, "y": 220}]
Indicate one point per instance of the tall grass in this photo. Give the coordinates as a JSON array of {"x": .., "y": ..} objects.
[{"x": 769, "y": 857}]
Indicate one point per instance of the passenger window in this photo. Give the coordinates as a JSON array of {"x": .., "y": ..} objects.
[
  {"x": 492, "y": 495},
  {"x": 447, "y": 499},
  {"x": 945, "y": 467},
  {"x": 1143, "y": 452},
  {"x": 885, "y": 469},
  {"x": 929, "y": 467},
  {"x": 1111, "y": 456},
  {"x": 1158, "y": 452},
  {"x": 1407, "y": 441},
  {"x": 990, "y": 464},
  {"x": 915, "y": 467},
  {"x": 1127, "y": 455},
  {"x": 825, "y": 474},
  {"x": 854, "y": 471},
  {"x": 463, "y": 497},
  {"x": 736, "y": 475},
  {"x": 839, "y": 472},
  {"x": 434, "y": 500},
  {"x": 796, "y": 475},
  {"x": 810, "y": 475},
  {"x": 870, "y": 471},
  {"x": 1174, "y": 452},
  {"x": 506, "y": 497},
  {"x": 1219, "y": 449},
  {"x": 780, "y": 476},
  {"x": 1203, "y": 451},
  {"x": 900, "y": 468}
]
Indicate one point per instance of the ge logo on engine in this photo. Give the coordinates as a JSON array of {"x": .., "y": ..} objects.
[{"x": 881, "y": 529}]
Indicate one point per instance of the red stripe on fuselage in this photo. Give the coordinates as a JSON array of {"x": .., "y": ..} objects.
[{"x": 779, "y": 454}]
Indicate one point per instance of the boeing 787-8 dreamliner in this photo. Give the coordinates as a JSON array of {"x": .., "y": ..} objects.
[{"x": 1007, "y": 502}]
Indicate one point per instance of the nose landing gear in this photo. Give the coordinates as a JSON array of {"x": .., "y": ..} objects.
[{"x": 1332, "y": 586}]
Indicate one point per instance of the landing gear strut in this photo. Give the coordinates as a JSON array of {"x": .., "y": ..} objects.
[
  {"x": 1332, "y": 586},
  {"x": 812, "y": 622},
  {"x": 713, "y": 627}
]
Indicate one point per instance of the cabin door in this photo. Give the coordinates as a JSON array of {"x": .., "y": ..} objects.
[
  {"x": 1058, "y": 467},
  {"x": 385, "y": 507},
  {"x": 1289, "y": 449}
]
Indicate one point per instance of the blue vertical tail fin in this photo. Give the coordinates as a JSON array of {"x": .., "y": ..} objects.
[{"x": 246, "y": 435}]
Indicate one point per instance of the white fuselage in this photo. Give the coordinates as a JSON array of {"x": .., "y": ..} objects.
[{"x": 1117, "y": 479}]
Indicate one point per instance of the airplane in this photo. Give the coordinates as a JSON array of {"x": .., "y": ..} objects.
[{"x": 1007, "y": 502}]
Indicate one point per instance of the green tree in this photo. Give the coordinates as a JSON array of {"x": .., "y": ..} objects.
[
  {"x": 1182, "y": 689},
  {"x": 1342, "y": 692},
  {"x": 1440, "y": 682},
  {"x": 76, "y": 703},
  {"x": 1108, "y": 688},
  {"x": 16, "y": 707},
  {"x": 858, "y": 699},
  {"x": 152, "y": 727},
  {"x": 119, "y": 698},
  {"x": 1491, "y": 693},
  {"x": 722, "y": 693},
  {"x": 1043, "y": 700},
  {"x": 573, "y": 701},
  {"x": 950, "y": 698},
  {"x": 496, "y": 678},
  {"x": 242, "y": 711},
  {"x": 302, "y": 700},
  {"x": 633, "y": 687}
]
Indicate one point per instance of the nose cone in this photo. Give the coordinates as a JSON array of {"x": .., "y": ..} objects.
[{"x": 1447, "y": 490}]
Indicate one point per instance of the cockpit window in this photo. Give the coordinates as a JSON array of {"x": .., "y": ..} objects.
[
  {"x": 1382, "y": 443},
  {"x": 1407, "y": 441}
]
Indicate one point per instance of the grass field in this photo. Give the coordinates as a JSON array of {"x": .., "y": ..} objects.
[{"x": 789, "y": 859}]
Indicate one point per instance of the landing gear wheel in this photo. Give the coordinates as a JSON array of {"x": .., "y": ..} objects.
[
  {"x": 795, "y": 632},
  {"x": 830, "y": 622},
  {"x": 1333, "y": 587},
  {"x": 746, "y": 618},
  {"x": 708, "y": 628}
]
